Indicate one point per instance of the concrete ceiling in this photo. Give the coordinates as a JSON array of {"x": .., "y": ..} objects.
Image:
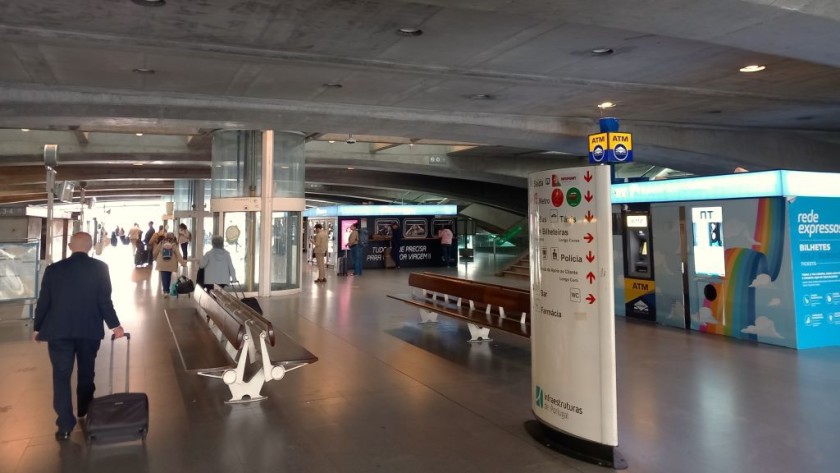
[{"x": 69, "y": 65}]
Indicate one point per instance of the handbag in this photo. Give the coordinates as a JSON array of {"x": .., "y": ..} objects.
[{"x": 184, "y": 285}]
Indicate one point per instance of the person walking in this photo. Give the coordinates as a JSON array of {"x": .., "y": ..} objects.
[
  {"x": 134, "y": 236},
  {"x": 217, "y": 265},
  {"x": 167, "y": 258},
  {"x": 396, "y": 244},
  {"x": 320, "y": 251},
  {"x": 147, "y": 241},
  {"x": 74, "y": 301},
  {"x": 446, "y": 236},
  {"x": 184, "y": 238},
  {"x": 355, "y": 249}
]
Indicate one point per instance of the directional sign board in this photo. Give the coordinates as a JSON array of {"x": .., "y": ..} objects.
[{"x": 572, "y": 313}]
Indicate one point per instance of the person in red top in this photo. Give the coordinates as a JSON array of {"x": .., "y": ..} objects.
[{"x": 446, "y": 236}]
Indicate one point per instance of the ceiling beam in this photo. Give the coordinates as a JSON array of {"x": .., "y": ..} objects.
[
  {"x": 201, "y": 158},
  {"x": 377, "y": 147},
  {"x": 34, "y": 175}
]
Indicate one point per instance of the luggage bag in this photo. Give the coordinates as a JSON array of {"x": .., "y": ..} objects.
[
  {"x": 251, "y": 302},
  {"x": 341, "y": 265},
  {"x": 184, "y": 285},
  {"x": 141, "y": 256},
  {"x": 120, "y": 416}
]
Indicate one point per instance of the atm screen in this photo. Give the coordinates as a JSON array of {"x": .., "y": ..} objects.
[{"x": 707, "y": 223}]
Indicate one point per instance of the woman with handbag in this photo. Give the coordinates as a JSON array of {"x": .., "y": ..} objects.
[{"x": 217, "y": 265}]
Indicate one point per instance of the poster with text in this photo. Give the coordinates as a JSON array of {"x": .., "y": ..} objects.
[
  {"x": 815, "y": 260},
  {"x": 572, "y": 313}
]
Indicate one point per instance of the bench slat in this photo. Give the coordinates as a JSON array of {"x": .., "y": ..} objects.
[{"x": 464, "y": 313}]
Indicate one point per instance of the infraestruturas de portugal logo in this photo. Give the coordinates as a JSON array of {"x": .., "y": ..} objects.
[{"x": 557, "y": 407}]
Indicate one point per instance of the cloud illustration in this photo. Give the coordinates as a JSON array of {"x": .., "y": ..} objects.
[
  {"x": 761, "y": 280},
  {"x": 763, "y": 327},
  {"x": 704, "y": 316},
  {"x": 774, "y": 302}
]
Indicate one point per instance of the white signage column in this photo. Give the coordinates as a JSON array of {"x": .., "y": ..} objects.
[{"x": 572, "y": 314}]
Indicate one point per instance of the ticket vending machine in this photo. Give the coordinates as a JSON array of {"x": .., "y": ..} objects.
[{"x": 639, "y": 287}]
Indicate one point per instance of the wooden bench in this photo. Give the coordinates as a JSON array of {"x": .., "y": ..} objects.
[
  {"x": 481, "y": 305},
  {"x": 242, "y": 365}
]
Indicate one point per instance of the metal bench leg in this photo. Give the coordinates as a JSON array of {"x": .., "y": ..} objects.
[
  {"x": 479, "y": 334},
  {"x": 428, "y": 317},
  {"x": 235, "y": 378}
]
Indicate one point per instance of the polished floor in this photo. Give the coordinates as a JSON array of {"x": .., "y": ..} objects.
[{"x": 389, "y": 395}]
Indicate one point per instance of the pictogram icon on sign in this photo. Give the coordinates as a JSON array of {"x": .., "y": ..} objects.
[
  {"x": 587, "y": 177},
  {"x": 588, "y": 196},
  {"x": 590, "y": 257},
  {"x": 591, "y": 299},
  {"x": 588, "y": 216},
  {"x": 588, "y": 237},
  {"x": 557, "y": 197},
  {"x": 590, "y": 277}
]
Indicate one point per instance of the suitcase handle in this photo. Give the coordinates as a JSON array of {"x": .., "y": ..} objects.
[{"x": 127, "y": 352}]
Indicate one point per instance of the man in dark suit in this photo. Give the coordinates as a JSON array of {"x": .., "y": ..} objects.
[
  {"x": 147, "y": 239},
  {"x": 75, "y": 299}
]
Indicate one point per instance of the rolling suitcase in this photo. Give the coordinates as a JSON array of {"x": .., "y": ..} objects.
[
  {"x": 251, "y": 302},
  {"x": 141, "y": 256},
  {"x": 120, "y": 416},
  {"x": 341, "y": 265}
]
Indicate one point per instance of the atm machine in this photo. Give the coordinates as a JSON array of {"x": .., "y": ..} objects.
[{"x": 639, "y": 287}]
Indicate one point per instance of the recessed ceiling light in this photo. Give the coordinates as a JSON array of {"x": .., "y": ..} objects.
[
  {"x": 409, "y": 31},
  {"x": 480, "y": 97},
  {"x": 143, "y": 70},
  {"x": 335, "y": 85},
  {"x": 332, "y": 141},
  {"x": 139, "y": 134},
  {"x": 602, "y": 51},
  {"x": 752, "y": 68},
  {"x": 24, "y": 129},
  {"x": 350, "y": 168},
  {"x": 138, "y": 164},
  {"x": 606, "y": 105},
  {"x": 149, "y": 3}
]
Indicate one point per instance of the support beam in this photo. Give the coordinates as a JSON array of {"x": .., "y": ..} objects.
[
  {"x": 376, "y": 147},
  {"x": 34, "y": 175}
]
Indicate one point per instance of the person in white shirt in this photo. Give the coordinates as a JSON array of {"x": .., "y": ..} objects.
[
  {"x": 320, "y": 252},
  {"x": 446, "y": 236},
  {"x": 184, "y": 238}
]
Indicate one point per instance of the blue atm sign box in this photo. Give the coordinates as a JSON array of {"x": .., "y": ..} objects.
[{"x": 612, "y": 147}]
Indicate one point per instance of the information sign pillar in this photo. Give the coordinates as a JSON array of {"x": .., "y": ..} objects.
[{"x": 573, "y": 315}]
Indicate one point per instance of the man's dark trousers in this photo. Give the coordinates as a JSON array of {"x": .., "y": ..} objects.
[{"x": 63, "y": 354}]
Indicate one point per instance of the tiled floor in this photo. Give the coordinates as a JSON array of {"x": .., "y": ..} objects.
[{"x": 389, "y": 395}]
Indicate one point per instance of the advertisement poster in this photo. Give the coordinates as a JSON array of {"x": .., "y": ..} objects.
[
  {"x": 572, "y": 313},
  {"x": 815, "y": 257}
]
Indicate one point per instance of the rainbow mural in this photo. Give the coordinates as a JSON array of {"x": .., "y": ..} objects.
[{"x": 734, "y": 296}]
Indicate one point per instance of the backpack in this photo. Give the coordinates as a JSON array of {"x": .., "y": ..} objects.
[{"x": 166, "y": 251}]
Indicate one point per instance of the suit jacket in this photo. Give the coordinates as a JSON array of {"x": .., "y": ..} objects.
[{"x": 75, "y": 299}]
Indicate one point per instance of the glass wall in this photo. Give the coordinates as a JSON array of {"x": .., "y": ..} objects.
[
  {"x": 285, "y": 248},
  {"x": 237, "y": 159},
  {"x": 289, "y": 165}
]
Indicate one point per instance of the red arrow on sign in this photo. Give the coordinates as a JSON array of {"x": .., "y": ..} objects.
[
  {"x": 588, "y": 216},
  {"x": 590, "y": 277},
  {"x": 590, "y": 257},
  {"x": 587, "y": 177},
  {"x": 591, "y": 299},
  {"x": 588, "y": 237},
  {"x": 588, "y": 196}
]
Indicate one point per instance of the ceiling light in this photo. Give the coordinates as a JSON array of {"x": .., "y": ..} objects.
[
  {"x": 332, "y": 141},
  {"x": 752, "y": 68},
  {"x": 606, "y": 105},
  {"x": 149, "y": 3},
  {"x": 143, "y": 70},
  {"x": 409, "y": 31},
  {"x": 480, "y": 97},
  {"x": 24, "y": 129},
  {"x": 139, "y": 134},
  {"x": 334, "y": 85},
  {"x": 350, "y": 168},
  {"x": 602, "y": 51},
  {"x": 138, "y": 164}
]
